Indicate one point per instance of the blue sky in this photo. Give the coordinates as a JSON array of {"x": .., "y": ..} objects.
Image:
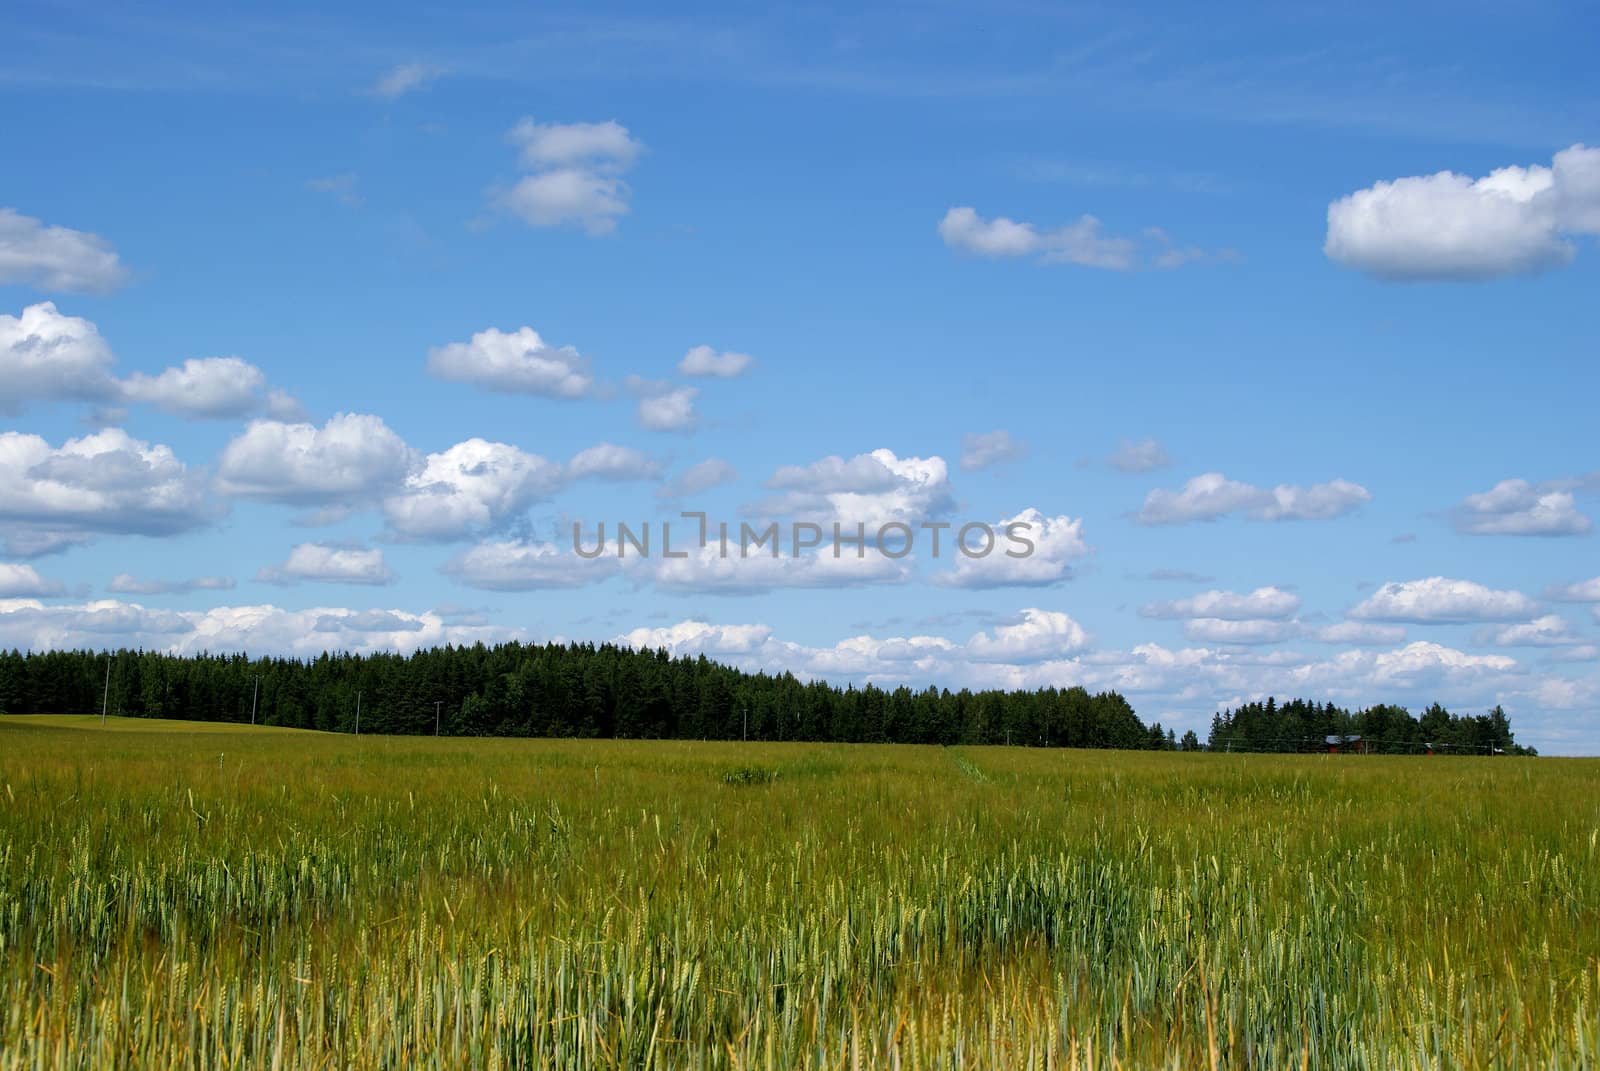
[{"x": 1298, "y": 372}]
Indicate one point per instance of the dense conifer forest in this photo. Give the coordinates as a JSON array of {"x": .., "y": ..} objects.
[
  {"x": 588, "y": 690},
  {"x": 1298, "y": 725}
]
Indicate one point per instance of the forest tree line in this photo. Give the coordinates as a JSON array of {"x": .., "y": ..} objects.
[
  {"x": 1299, "y": 725},
  {"x": 590, "y": 690}
]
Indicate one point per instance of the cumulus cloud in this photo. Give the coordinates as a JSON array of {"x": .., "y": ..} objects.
[
  {"x": 1360, "y": 634},
  {"x": 1224, "y": 630},
  {"x": 25, "y": 582},
  {"x": 608, "y": 461},
  {"x": 1268, "y": 603},
  {"x": 1141, "y": 456},
  {"x": 1517, "y": 507},
  {"x": 471, "y": 488},
  {"x": 516, "y": 362},
  {"x": 697, "y": 478},
  {"x": 47, "y": 356},
  {"x": 1440, "y": 600},
  {"x": 211, "y": 387},
  {"x": 567, "y": 144},
  {"x": 706, "y": 570},
  {"x": 105, "y": 483},
  {"x": 870, "y": 489},
  {"x": 353, "y": 458},
  {"x": 405, "y": 78},
  {"x": 699, "y": 637},
  {"x": 1056, "y": 542},
  {"x": 1580, "y": 591},
  {"x": 327, "y": 563},
  {"x": 575, "y": 177},
  {"x": 56, "y": 258},
  {"x": 1040, "y": 635},
  {"x": 263, "y": 629},
  {"x": 671, "y": 410},
  {"x": 982, "y": 450},
  {"x": 1421, "y": 661},
  {"x": 1084, "y": 243},
  {"x": 1551, "y": 630},
  {"x": 705, "y": 361},
  {"x": 527, "y": 566},
  {"x": 128, "y": 584},
  {"x": 1212, "y": 495},
  {"x": 1446, "y": 226}
]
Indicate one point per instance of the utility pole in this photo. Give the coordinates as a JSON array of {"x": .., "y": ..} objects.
[
  {"x": 253, "y": 696},
  {"x": 358, "y": 713},
  {"x": 744, "y": 731},
  {"x": 105, "y": 698},
  {"x": 437, "y": 703}
]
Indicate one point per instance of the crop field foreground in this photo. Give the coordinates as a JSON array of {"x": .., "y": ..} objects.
[{"x": 242, "y": 898}]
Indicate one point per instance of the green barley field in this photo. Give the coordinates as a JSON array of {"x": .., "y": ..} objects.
[{"x": 205, "y": 896}]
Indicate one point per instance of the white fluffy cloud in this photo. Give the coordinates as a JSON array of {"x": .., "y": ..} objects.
[
  {"x": 213, "y": 387},
  {"x": 264, "y": 629},
  {"x": 472, "y": 487},
  {"x": 576, "y": 174},
  {"x": 870, "y": 489},
  {"x": 23, "y": 581},
  {"x": 1232, "y": 631},
  {"x": 699, "y": 477},
  {"x": 1514, "y": 221},
  {"x": 705, "y": 570},
  {"x": 1040, "y": 635},
  {"x": 567, "y": 144},
  {"x": 1083, "y": 243},
  {"x": 699, "y": 637},
  {"x": 1056, "y": 543},
  {"x": 531, "y": 566},
  {"x": 326, "y": 563},
  {"x": 593, "y": 199},
  {"x": 1551, "y": 630},
  {"x": 105, "y": 483},
  {"x": 982, "y": 450},
  {"x": 1212, "y": 495},
  {"x": 1517, "y": 507},
  {"x": 1580, "y": 591},
  {"x": 1233, "y": 618},
  {"x": 1361, "y": 634},
  {"x": 405, "y": 78},
  {"x": 705, "y": 361},
  {"x": 353, "y": 458},
  {"x": 47, "y": 356},
  {"x": 516, "y": 362},
  {"x": 1440, "y": 600},
  {"x": 128, "y": 584},
  {"x": 671, "y": 410},
  {"x": 608, "y": 461},
  {"x": 1268, "y": 603},
  {"x": 56, "y": 258},
  {"x": 1139, "y": 456}
]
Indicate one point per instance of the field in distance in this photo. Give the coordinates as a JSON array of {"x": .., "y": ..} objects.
[{"x": 178, "y": 894}]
